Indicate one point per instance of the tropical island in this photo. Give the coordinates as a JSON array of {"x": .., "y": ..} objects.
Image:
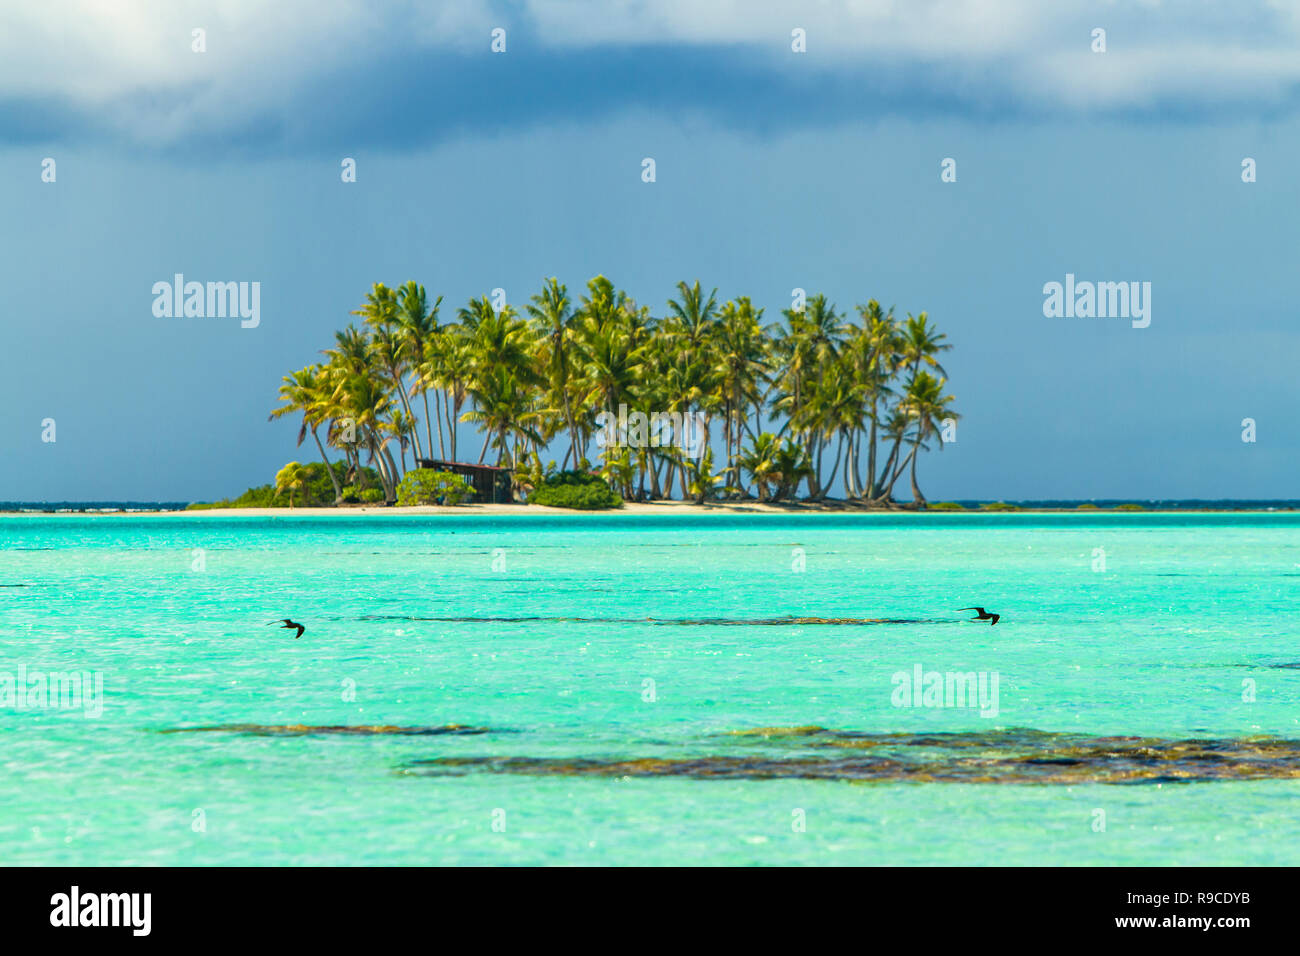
[{"x": 798, "y": 405}]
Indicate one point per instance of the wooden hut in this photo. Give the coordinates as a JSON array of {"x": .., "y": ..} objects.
[{"x": 490, "y": 484}]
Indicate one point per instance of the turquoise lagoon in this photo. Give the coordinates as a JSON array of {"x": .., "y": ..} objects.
[{"x": 599, "y": 668}]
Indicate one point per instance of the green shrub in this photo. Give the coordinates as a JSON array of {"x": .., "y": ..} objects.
[
  {"x": 945, "y": 506},
  {"x": 424, "y": 486},
  {"x": 576, "y": 489},
  {"x": 1086, "y": 506},
  {"x": 1129, "y": 507},
  {"x": 999, "y": 506},
  {"x": 317, "y": 491},
  {"x": 320, "y": 490},
  {"x": 263, "y": 496}
]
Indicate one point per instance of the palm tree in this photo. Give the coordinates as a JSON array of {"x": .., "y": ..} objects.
[
  {"x": 501, "y": 406},
  {"x": 366, "y": 401},
  {"x": 797, "y": 400},
  {"x": 390, "y": 342},
  {"x": 922, "y": 344},
  {"x": 500, "y": 349},
  {"x": 555, "y": 321},
  {"x": 740, "y": 362},
  {"x": 447, "y": 367},
  {"x": 927, "y": 407},
  {"x": 689, "y": 329},
  {"x": 404, "y": 429},
  {"x": 691, "y": 320},
  {"x": 789, "y": 466},
  {"x": 306, "y": 391},
  {"x": 351, "y": 351},
  {"x": 611, "y": 370},
  {"x": 760, "y": 461},
  {"x": 390, "y": 357},
  {"x": 419, "y": 323},
  {"x": 877, "y": 353},
  {"x": 292, "y": 477},
  {"x": 704, "y": 481}
]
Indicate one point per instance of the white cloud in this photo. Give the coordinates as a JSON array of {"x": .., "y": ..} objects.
[
  {"x": 136, "y": 56},
  {"x": 1037, "y": 51},
  {"x": 133, "y": 62}
]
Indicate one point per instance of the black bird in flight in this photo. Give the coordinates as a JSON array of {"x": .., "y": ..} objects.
[
  {"x": 289, "y": 623},
  {"x": 983, "y": 615}
]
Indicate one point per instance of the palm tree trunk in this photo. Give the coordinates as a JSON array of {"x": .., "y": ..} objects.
[
  {"x": 917, "y": 497},
  {"x": 883, "y": 492},
  {"x": 338, "y": 492},
  {"x": 889, "y": 491},
  {"x": 354, "y": 458},
  {"x": 385, "y": 478},
  {"x": 428, "y": 423},
  {"x": 815, "y": 482},
  {"x": 415, "y": 426},
  {"x": 871, "y": 455},
  {"x": 394, "y": 475},
  {"x": 862, "y": 491},
  {"x": 850, "y": 485},
  {"x": 834, "y": 468},
  {"x": 452, "y": 422},
  {"x": 568, "y": 420}
]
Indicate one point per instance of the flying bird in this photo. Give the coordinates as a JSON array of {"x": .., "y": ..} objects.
[
  {"x": 289, "y": 623},
  {"x": 983, "y": 615}
]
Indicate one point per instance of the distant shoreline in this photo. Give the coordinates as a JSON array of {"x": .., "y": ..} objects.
[{"x": 682, "y": 508}]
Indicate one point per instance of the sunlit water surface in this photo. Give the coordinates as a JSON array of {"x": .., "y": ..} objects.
[{"x": 596, "y": 671}]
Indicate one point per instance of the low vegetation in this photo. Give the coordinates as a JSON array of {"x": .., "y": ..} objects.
[
  {"x": 425, "y": 486},
  {"x": 307, "y": 486},
  {"x": 576, "y": 489}
]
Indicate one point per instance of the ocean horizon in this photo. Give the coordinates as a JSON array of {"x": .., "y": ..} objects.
[{"x": 1171, "y": 504}]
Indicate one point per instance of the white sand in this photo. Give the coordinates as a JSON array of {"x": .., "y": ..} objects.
[{"x": 376, "y": 511}]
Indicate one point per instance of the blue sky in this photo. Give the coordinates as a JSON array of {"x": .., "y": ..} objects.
[{"x": 775, "y": 170}]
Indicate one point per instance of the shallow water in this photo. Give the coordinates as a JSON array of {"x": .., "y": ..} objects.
[{"x": 461, "y": 673}]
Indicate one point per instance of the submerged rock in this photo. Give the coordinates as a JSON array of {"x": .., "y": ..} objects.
[
  {"x": 1009, "y": 756},
  {"x": 300, "y": 730}
]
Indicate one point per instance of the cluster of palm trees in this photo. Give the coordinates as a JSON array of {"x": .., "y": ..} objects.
[{"x": 797, "y": 404}]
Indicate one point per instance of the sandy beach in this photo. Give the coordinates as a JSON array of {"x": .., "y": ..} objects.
[
  {"x": 683, "y": 508},
  {"x": 659, "y": 508}
]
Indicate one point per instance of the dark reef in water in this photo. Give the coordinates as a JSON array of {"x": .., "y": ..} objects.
[
  {"x": 303, "y": 730},
  {"x": 664, "y": 621},
  {"x": 1020, "y": 756},
  {"x": 1005, "y": 756}
]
